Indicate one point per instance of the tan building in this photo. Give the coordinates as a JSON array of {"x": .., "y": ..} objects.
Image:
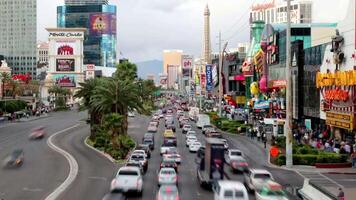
[
  {"x": 151, "y": 77},
  {"x": 172, "y": 60}
]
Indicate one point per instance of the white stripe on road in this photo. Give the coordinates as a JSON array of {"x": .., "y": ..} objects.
[{"x": 73, "y": 165}]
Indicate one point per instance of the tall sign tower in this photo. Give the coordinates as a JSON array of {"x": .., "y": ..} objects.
[{"x": 207, "y": 44}]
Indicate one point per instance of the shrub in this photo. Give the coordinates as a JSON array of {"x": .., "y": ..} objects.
[
  {"x": 281, "y": 160},
  {"x": 311, "y": 159},
  {"x": 307, "y": 159},
  {"x": 281, "y": 141},
  {"x": 11, "y": 106},
  {"x": 307, "y": 150}
]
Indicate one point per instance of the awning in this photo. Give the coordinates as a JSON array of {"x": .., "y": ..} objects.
[{"x": 239, "y": 77}]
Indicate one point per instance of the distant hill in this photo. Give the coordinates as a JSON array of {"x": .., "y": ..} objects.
[{"x": 149, "y": 67}]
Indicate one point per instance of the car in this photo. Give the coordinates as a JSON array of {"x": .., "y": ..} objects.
[
  {"x": 148, "y": 136},
  {"x": 14, "y": 159},
  {"x": 149, "y": 142},
  {"x": 152, "y": 128},
  {"x": 131, "y": 114},
  {"x": 168, "y": 133},
  {"x": 166, "y": 147},
  {"x": 140, "y": 151},
  {"x": 191, "y": 133},
  {"x": 170, "y": 111},
  {"x": 271, "y": 191},
  {"x": 186, "y": 128},
  {"x": 232, "y": 154},
  {"x": 172, "y": 127},
  {"x": 201, "y": 152},
  {"x": 184, "y": 121},
  {"x": 167, "y": 192},
  {"x": 161, "y": 115},
  {"x": 169, "y": 121},
  {"x": 168, "y": 117},
  {"x": 140, "y": 158},
  {"x": 214, "y": 135},
  {"x": 115, "y": 196},
  {"x": 167, "y": 176},
  {"x": 190, "y": 139},
  {"x": 255, "y": 178},
  {"x": 154, "y": 123},
  {"x": 173, "y": 156},
  {"x": 146, "y": 148},
  {"x": 128, "y": 179},
  {"x": 37, "y": 133},
  {"x": 225, "y": 189},
  {"x": 202, "y": 119},
  {"x": 207, "y": 126},
  {"x": 169, "y": 163},
  {"x": 194, "y": 147},
  {"x": 238, "y": 164},
  {"x": 170, "y": 139},
  {"x": 135, "y": 164}
]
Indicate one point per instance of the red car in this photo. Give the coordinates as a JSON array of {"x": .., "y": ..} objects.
[{"x": 37, "y": 133}]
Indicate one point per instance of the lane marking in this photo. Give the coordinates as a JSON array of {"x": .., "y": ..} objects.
[
  {"x": 98, "y": 178},
  {"x": 331, "y": 180},
  {"x": 73, "y": 165},
  {"x": 32, "y": 189}
]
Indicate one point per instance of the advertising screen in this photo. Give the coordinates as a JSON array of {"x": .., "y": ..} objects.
[
  {"x": 65, "y": 47},
  {"x": 209, "y": 77},
  {"x": 102, "y": 23},
  {"x": 65, "y": 65},
  {"x": 65, "y": 80}
]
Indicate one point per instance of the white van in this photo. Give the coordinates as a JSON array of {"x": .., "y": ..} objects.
[
  {"x": 230, "y": 190},
  {"x": 203, "y": 120},
  {"x": 193, "y": 113}
]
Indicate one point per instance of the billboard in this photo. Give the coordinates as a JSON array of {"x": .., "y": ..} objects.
[
  {"x": 65, "y": 47},
  {"x": 209, "y": 77},
  {"x": 65, "y": 80},
  {"x": 187, "y": 61},
  {"x": 214, "y": 74},
  {"x": 102, "y": 23},
  {"x": 65, "y": 65}
]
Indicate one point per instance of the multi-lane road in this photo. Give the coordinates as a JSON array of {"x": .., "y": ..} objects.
[{"x": 44, "y": 169}]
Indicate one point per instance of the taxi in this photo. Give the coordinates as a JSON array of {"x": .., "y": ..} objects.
[{"x": 168, "y": 133}]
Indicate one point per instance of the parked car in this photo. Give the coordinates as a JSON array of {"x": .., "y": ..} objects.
[
  {"x": 255, "y": 178},
  {"x": 194, "y": 147},
  {"x": 14, "y": 159},
  {"x": 186, "y": 128},
  {"x": 167, "y": 192},
  {"x": 128, "y": 179},
  {"x": 224, "y": 190},
  {"x": 167, "y": 176},
  {"x": 271, "y": 191},
  {"x": 207, "y": 126},
  {"x": 146, "y": 148},
  {"x": 140, "y": 158}
]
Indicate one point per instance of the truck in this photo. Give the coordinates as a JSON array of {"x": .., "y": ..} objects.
[
  {"x": 210, "y": 165},
  {"x": 193, "y": 113}
]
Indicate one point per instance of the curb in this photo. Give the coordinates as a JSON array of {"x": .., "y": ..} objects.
[
  {"x": 100, "y": 152},
  {"x": 345, "y": 173},
  {"x": 33, "y": 119}
]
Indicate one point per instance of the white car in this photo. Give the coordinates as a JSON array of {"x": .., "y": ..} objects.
[
  {"x": 190, "y": 139},
  {"x": 186, "y": 128},
  {"x": 233, "y": 154},
  {"x": 254, "y": 179},
  {"x": 139, "y": 158},
  {"x": 173, "y": 156},
  {"x": 140, "y": 152},
  {"x": 167, "y": 176},
  {"x": 205, "y": 127},
  {"x": 224, "y": 190},
  {"x": 271, "y": 191},
  {"x": 191, "y": 133},
  {"x": 194, "y": 147},
  {"x": 128, "y": 179},
  {"x": 131, "y": 114}
]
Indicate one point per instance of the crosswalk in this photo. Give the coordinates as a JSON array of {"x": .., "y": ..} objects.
[{"x": 320, "y": 179}]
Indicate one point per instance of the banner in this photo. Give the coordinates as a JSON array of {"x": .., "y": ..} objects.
[
  {"x": 102, "y": 23},
  {"x": 187, "y": 61},
  {"x": 209, "y": 78},
  {"x": 215, "y": 76},
  {"x": 203, "y": 81},
  {"x": 261, "y": 105},
  {"x": 65, "y": 80},
  {"x": 66, "y": 47},
  {"x": 65, "y": 65}
]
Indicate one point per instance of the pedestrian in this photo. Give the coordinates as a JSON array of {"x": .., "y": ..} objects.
[
  {"x": 341, "y": 195},
  {"x": 273, "y": 140},
  {"x": 264, "y": 138},
  {"x": 342, "y": 149},
  {"x": 347, "y": 148},
  {"x": 353, "y": 159},
  {"x": 258, "y": 135}
]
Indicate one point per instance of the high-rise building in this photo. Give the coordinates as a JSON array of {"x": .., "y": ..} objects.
[
  {"x": 275, "y": 12},
  {"x": 171, "y": 57},
  {"x": 207, "y": 43},
  {"x": 100, "y": 21},
  {"x": 85, "y": 2},
  {"x": 18, "y": 19}
]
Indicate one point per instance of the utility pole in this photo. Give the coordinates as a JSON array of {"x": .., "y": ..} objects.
[
  {"x": 220, "y": 71},
  {"x": 289, "y": 110}
]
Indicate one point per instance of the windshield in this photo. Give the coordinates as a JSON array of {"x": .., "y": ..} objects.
[
  {"x": 128, "y": 173},
  {"x": 235, "y": 153},
  {"x": 171, "y": 172},
  {"x": 262, "y": 176}
]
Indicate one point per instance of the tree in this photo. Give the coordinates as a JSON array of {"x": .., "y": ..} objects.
[
  {"x": 5, "y": 78},
  {"x": 112, "y": 124},
  {"x": 60, "y": 95},
  {"x": 126, "y": 71}
]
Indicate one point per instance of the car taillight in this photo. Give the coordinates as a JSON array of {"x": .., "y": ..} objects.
[
  {"x": 243, "y": 164},
  {"x": 177, "y": 198}
]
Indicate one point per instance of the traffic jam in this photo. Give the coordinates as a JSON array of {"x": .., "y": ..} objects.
[{"x": 213, "y": 158}]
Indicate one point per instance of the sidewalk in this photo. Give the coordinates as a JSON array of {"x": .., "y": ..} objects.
[{"x": 32, "y": 118}]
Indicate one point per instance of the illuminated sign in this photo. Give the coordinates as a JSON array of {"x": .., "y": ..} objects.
[
  {"x": 63, "y": 65},
  {"x": 65, "y": 80},
  {"x": 345, "y": 78},
  {"x": 259, "y": 60},
  {"x": 102, "y": 23},
  {"x": 209, "y": 78},
  {"x": 66, "y": 35},
  {"x": 341, "y": 120},
  {"x": 259, "y": 7},
  {"x": 336, "y": 95}
]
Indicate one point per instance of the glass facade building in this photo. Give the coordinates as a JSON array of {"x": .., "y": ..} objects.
[{"x": 100, "y": 38}]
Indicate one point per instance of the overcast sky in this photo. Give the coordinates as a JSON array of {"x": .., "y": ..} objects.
[{"x": 147, "y": 27}]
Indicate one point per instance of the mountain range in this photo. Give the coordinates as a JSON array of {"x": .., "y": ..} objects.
[{"x": 149, "y": 67}]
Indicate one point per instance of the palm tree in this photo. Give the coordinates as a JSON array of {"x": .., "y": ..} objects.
[
  {"x": 60, "y": 95},
  {"x": 85, "y": 93},
  {"x": 112, "y": 123},
  {"x": 5, "y": 78}
]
